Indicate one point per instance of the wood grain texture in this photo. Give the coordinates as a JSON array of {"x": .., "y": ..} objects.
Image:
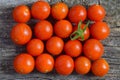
[{"x": 8, "y": 50}]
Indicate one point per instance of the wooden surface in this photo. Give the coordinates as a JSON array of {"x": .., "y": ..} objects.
[{"x": 8, "y": 50}]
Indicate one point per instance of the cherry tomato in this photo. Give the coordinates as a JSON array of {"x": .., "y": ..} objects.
[
  {"x": 86, "y": 32},
  {"x": 99, "y": 30},
  {"x": 73, "y": 48},
  {"x": 43, "y": 30},
  {"x": 93, "y": 49},
  {"x": 96, "y": 12},
  {"x": 35, "y": 47},
  {"x": 59, "y": 11},
  {"x": 64, "y": 65},
  {"x": 63, "y": 28},
  {"x": 100, "y": 67},
  {"x": 77, "y": 13},
  {"x": 21, "y": 33},
  {"x": 55, "y": 45},
  {"x": 82, "y": 65},
  {"x": 24, "y": 63},
  {"x": 21, "y": 14},
  {"x": 40, "y": 10},
  {"x": 44, "y": 63}
]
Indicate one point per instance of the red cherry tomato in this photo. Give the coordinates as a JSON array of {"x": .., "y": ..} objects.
[
  {"x": 44, "y": 63},
  {"x": 77, "y": 13},
  {"x": 55, "y": 45},
  {"x": 82, "y": 65},
  {"x": 59, "y": 10},
  {"x": 43, "y": 30},
  {"x": 40, "y": 10},
  {"x": 24, "y": 63},
  {"x": 64, "y": 65},
  {"x": 63, "y": 28},
  {"x": 99, "y": 30},
  {"x": 86, "y": 32},
  {"x": 93, "y": 49},
  {"x": 96, "y": 12},
  {"x": 21, "y": 14},
  {"x": 100, "y": 67},
  {"x": 73, "y": 48},
  {"x": 35, "y": 47},
  {"x": 21, "y": 33}
]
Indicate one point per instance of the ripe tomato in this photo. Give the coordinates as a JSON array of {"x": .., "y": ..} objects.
[
  {"x": 21, "y": 33},
  {"x": 100, "y": 67},
  {"x": 77, "y": 13},
  {"x": 24, "y": 63},
  {"x": 73, "y": 48},
  {"x": 96, "y": 12},
  {"x": 86, "y": 32},
  {"x": 54, "y": 45},
  {"x": 64, "y": 65},
  {"x": 99, "y": 30},
  {"x": 82, "y": 65},
  {"x": 59, "y": 10},
  {"x": 21, "y": 14},
  {"x": 63, "y": 28},
  {"x": 40, "y": 10},
  {"x": 93, "y": 49},
  {"x": 44, "y": 63},
  {"x": 43, "y": 30},
  {"x": 35, "y": 47}
]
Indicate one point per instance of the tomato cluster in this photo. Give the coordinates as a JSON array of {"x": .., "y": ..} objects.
[{"x": 72, "y": 42}]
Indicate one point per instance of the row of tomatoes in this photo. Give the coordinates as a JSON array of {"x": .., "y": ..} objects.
[{"x": 63, "y": 40}]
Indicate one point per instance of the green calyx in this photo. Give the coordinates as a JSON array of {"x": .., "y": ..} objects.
[{"x": 79, "y": 33}]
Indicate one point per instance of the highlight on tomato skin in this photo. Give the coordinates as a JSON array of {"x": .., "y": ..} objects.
[
  {"x": 44, "y": 63},
  {"x": 40, "y": 10},
  {"x": 21, "y": 34},
  {"x": 64, "y": 65},
  {"x": 82, "y": 65},
  {"x": 96, "y": 12},
  {"x": 100, "y": 67},
  {"x": 55, "y": 45},
  {"x": 77, "y": 13},
  {"x": 35, "y": 47},
  {"x": 100, "y": 30},
  {"x": 21, "y": 14},
  {"x": 59, "y": 10},
  {"x": 93, "y": 49},
  {"x": 24, "y": 63},
  {"x": 63, "y": 28}
]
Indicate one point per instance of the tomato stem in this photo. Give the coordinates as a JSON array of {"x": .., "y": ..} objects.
[
  {"x": 99, "y": 2},
  {"x": 79, "y": 33}
]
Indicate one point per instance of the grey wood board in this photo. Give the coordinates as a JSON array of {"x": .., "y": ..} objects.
[{"x": 8, "y": 50}]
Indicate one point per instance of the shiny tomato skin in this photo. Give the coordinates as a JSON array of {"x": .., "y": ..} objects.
[
  {"x": 21, "y": 14},
  {"x": 77, "y": 13},
  {"x": 73, "y": 48},
  {"x": 93, "y": 49},
  {"x": 40, "y": 10},
  {"x": 55, "y": 45},
  {"x": 59, "y": 10},
  {"x": 43, "y": 30},
  {"x": 44, "y": 63},
  {"x": 35, "y": 47},
  {"x": 100, "y": 67},
  {"x": 64, "y": 65},
  {"x": 21, "y": 33},
  {"x": 63, "y": 28},
  {"x": 86, "y": 33},
  {"x": 96, "y": 12},
  {"x": 23, "y": 63},
  {"x": 100, "y": 30},
  {"x": 82, "y": 65}
]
